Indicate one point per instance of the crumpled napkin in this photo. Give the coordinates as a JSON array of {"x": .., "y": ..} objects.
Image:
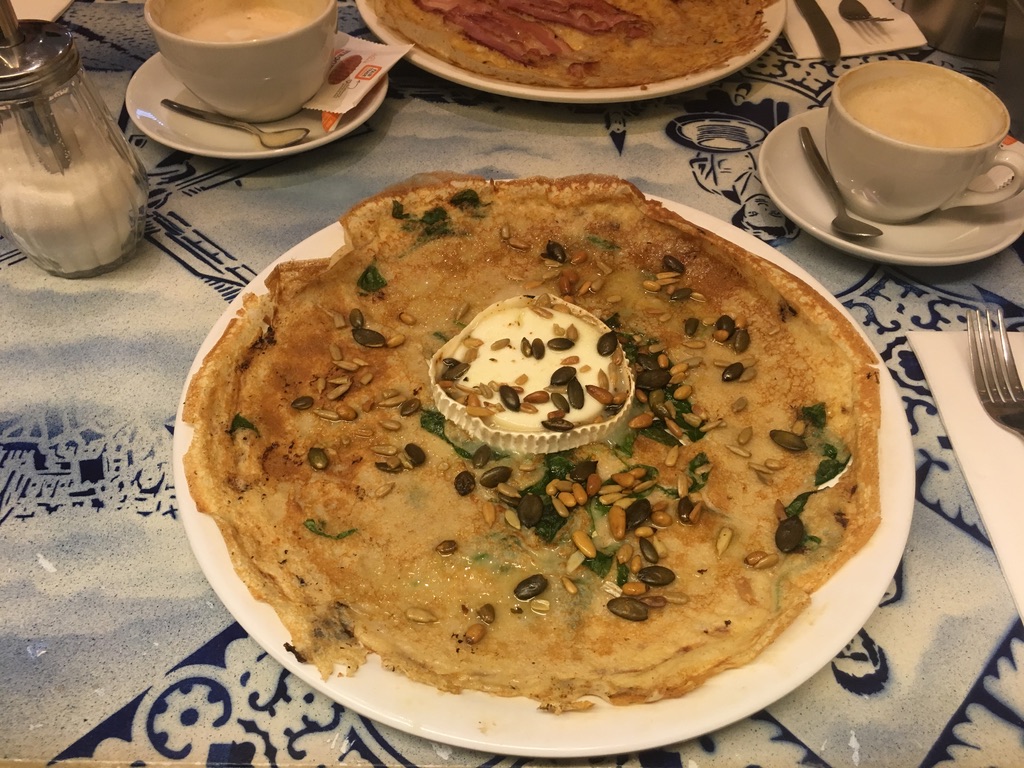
[
  {"x": 43, "y": 10},
  {"x": 991, "y": 457},
  {"x": 855, "y": 39}
]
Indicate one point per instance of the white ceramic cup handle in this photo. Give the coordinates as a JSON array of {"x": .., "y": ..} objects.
[{"x": 1011, "y": 160}]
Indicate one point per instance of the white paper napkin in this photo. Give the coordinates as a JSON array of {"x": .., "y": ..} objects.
[
  {"x": 45, "y": 10},
  {"x": 992, "y": 458},
  {"x": 855, "y": 39}
]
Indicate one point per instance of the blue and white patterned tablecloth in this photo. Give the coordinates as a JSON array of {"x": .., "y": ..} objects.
[{"x": 113, "y": 647}]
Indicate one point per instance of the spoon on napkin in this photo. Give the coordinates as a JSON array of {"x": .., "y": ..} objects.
[
  {"x": 844, "y": 224},
  {"x": 271, "y": 139}
]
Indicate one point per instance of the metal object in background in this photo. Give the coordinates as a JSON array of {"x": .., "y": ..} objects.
[
  {"x": 969, "y": 28},
  {"x": 1010, "y": 78}
]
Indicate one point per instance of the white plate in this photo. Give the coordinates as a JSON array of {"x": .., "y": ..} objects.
[
  {"x": 948, "y": 237},
  {"x": 153, "y": 82},
  {"x": 774, "y": 19},
  {"x": 515, "y": 726}
]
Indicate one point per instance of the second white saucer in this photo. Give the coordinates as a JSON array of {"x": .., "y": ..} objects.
[
  {"x": 153, "y": 82},
  {"x": 956, "y": 236}
]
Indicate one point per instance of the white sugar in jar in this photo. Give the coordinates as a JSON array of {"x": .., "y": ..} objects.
[{"x": 72, "y": 192}]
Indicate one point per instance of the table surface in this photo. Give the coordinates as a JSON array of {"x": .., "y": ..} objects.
[{"x": 113, "y": 646}]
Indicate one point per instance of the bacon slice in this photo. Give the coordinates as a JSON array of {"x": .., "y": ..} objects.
[
  {"x": 519, "y": 38},
  {"x": 590, "y": 16}
]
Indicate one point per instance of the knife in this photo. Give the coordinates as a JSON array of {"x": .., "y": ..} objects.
[{"x": 822, "y": 30}]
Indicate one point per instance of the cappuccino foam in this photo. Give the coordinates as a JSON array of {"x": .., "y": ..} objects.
[
  {"x": 241, "y": 25},
  {"x": 931, "y": 110}
]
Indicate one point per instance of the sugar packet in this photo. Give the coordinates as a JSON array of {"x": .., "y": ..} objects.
[{"x": 357, "y": 66}]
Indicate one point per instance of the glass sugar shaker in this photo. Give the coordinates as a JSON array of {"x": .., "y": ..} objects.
[{"x": 72, "y": 191}]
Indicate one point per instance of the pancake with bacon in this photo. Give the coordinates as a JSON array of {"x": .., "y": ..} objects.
[
  {"x": 579, "y": 43},
  {"x": 740, "y": 473}
]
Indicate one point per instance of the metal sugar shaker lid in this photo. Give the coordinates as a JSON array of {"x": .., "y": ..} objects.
[{"x": 36, "y": 57}]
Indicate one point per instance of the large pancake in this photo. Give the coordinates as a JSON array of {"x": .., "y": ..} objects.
[
  {"x": 348, "y": 553},
  {"x": 666, "y": 40}
]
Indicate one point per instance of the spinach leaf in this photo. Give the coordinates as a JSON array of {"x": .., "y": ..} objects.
[
  {"x": 814, "y": 415},
  {"x": 371, "y": 280},
  {"x": 433, "y": 422},
  {"x": 240, "y": 422},
  {"x": 698, "y": 479},
  {"x": 317, "y": 527}
]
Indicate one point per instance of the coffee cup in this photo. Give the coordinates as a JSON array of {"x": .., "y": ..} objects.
[
  {"x": 907, "y": 138},
  {"x": 255, "y": 60}
]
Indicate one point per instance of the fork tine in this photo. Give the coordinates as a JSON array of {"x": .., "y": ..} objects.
[
  {"x": 993, "y": 367},
  {"x": 1008, "y": 366},
  {"x": 978, "y": 350}
]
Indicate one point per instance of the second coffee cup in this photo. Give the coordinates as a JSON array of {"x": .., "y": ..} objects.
[
  {"x": 254, "y": 60},
  {"x": 906, "y": 138}
]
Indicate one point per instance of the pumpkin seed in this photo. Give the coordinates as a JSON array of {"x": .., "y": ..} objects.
[
  {"x": 732, "y": 372},
  {"x": 317, "y": 458},
  {"x": 356, "y": 319},
  {"x": 495, "y": 476},
  {"x": 628, "y": 608},
  {"x": 790, "y": 534},
  {"x": 741, "y": 340},
  {"x": 788, "y": 440},
  {"x": 656, "y": 575},
  {"x": 415, "y": 453},
  {"x": 727, "y": 324},
  {"x": 637, "y": 513},
  {"x": 530, "y": 510},
  {"x": 582, "y": 471},
  {"x": 409, "y": 406},
  {"x": 672, "y": 264},
  {"x": 691, "y": 326},
  {"x": 574, "y": 393},
  {"x": 455, "y": 372},
  {"x": 481, "y": 456},
  {"x": 648, "y": 551},
  {"x": 688, "y": 512},
  {"x": 681, "y": 294},
  {"x": 558, "y": 400},
  {"x": 560, "y": 343},
  {"x": 558, "y": 425},
  {"x": 302, "y": 403},
  {"x": 367, "y": 337},
  {"x": 649, "y": 380},
  {"x": 509, "y": 397},
  {"x": 537, "y": 349},
  {"x": 607, "y": 343},
  {"x": 530, "y": 587},
  {"x": 555, "y": 252},
  {"x": 563, "y": 376}
]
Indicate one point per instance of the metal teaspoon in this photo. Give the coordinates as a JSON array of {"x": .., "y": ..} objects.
[
  {"x": 271, "y": 139},
  {"x": 843, "y": 223}
]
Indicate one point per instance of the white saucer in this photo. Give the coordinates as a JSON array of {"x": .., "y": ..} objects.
[
  {"x": 154, "y": 82},
  {"x": 948, "y": 237}
]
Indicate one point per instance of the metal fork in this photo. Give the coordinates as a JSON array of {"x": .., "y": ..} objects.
[
  {"x": 995, "y": 372},
  {"x": 854, "y": 10}
]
